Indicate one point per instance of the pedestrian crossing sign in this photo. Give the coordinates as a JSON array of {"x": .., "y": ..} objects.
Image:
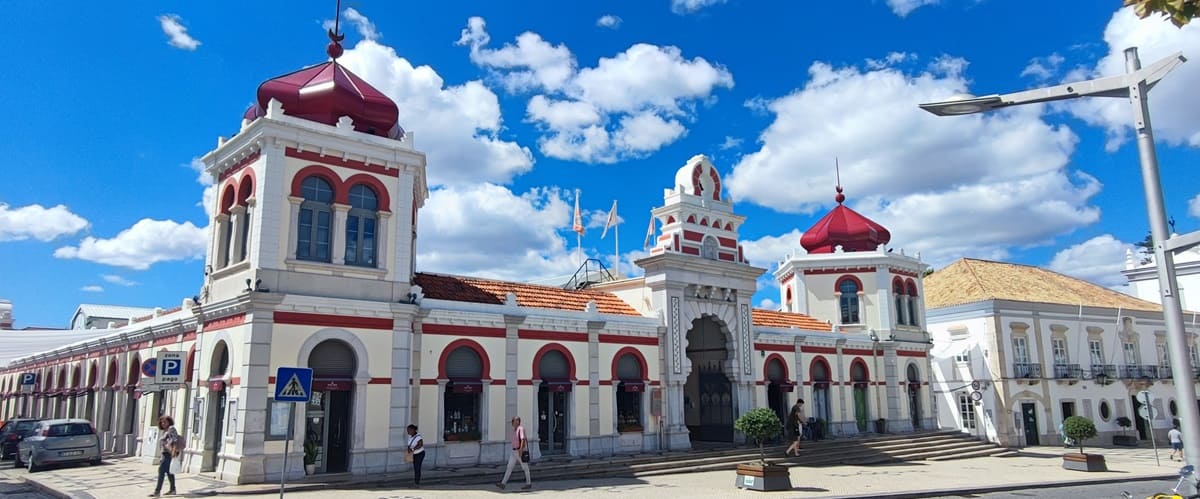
[{"x": 293, "y": 384}]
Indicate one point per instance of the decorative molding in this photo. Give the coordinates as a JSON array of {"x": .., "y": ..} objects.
[
  {"x": 744, "y": 311},
  {"x": 675, "y": 340}
]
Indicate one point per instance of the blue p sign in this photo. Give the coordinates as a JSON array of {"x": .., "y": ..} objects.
[
  {"x": 28, "y": 381},
  {"x": 170, "y": 368}
]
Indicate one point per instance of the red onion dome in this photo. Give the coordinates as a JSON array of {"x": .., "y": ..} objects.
[
  {"x": 844, "y": 227},
  {"x": 326, "y": 92}
]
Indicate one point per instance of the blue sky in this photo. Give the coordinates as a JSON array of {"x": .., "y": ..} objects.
[{"x": 518, "y": 104}]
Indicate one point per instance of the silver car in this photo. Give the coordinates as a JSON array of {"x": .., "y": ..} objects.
[{"x": 59, "y": 441}]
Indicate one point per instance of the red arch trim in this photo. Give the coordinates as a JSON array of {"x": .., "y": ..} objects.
[
  {"x": 812, "y": 369},
  {"x": 245, "y": 188},
  {"x": 537, "y": 359},
  {"x": 77, "y": 376},
  {"x": 335, "y": 182},
  {"x": 898, "y": 285},
  {"x": 381, "y": 192},
  {"x": 837, "y": 286},
  {"x": 191, "y": 363},
  {"x": 135, "y": 370},
  {"x": 456, "y": 344},
  {"x": 112, "y": 374},
  {"x": 782, "y": 362},
  {"x": 858, "y": 361},
  {"x": 228, "y": 196},
  {"x": 637, "y": 354},
  {"x": 912, "y": 287},
  {"x": 94, "y": 375}
]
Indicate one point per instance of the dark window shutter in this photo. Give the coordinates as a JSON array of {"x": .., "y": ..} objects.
[
  {"x": 333, "y": 359},
  {"x": 628, "y": 367},
  {"x": 775, "y": 370},
  {"x": 464, "y": 363},
  {"x": 554, "y": 365}
]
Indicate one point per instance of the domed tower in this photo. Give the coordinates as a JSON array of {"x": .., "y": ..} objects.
[
  {"x": 317, "y": 193},
  {"x": 850, "y": 278}
]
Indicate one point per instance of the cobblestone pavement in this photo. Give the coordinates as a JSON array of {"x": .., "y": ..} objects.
[{"x": 12, "y": 488}]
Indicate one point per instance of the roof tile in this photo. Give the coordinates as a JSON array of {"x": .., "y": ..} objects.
[
  {"x": 477, "y": 290},
  {"x": 969, "y": 280},
  {"x": 771, "y": 318}
]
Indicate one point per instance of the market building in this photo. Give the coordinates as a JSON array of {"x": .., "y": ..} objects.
[{"x": 313, "y": 264}]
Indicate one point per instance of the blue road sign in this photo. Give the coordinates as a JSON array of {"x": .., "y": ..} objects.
[
  {"x": 169, "y": 367},
  {"x": 149, "y": 367},
  {"x": 293, "y": 384},
  {"x": 28, "y": 382}
]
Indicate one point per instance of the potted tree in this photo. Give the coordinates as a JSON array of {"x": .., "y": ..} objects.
[
  {"x": 760, "y": 425},
  {"x": 1079, "y": 428},
  {"x": 310, "y": 457},
  {"x": 1123, "y": 439}
]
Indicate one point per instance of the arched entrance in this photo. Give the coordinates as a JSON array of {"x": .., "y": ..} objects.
[
  {"x": 777, "y": 386},
  {"x": 328, "y": 412},
  {"x": 135, "y": 376},
  {"x": 708, "y": 395},
  {"x": 819, "y": 373},
  {"x": 218, "y": 395},
  {"x": 110, "y": 398},
  {"x": 93, "y": 383},
  {"x": 554, "y": 395},
  {"x": 914, "y": 396},
  {"x": 858, "y": 374}
]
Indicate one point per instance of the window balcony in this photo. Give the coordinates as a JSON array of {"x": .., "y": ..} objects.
[
  {"x": 1106, "y": 370},
  {"x": 1164, "y": 372},
  {"x": 1139, "y": 372},
  {"x": 1023, "y": 370},
  {"x": 1067, "y": 371}
]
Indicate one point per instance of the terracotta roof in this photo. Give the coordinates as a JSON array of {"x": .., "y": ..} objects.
[
  {"x": 476, "y": 290},
  {"x": 844, "y": 227},
  {"x": 969, "y": 281},
  {"x": 771, "y": 318}
]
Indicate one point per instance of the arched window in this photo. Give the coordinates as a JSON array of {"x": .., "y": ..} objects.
[
  {"x": 912, "y": 303},
  {"x": 848, "y": 287},
  {"x": 630, "y": 389},
  {"x": 461, "y": 401},
  {"x": 361, "y": 226},
  {"x": 898, "y": 295},
  {"x": 316, "y": 218},
  {"x": 708, "y": 248}
]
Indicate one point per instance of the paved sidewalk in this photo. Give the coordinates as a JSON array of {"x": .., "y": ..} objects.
[{"x": 1032, "y": 468}]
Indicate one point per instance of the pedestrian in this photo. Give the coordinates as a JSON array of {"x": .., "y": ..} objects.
[
  {"x": 168, "y": 446},
  {"x": 1067, "y": 441},
  {"x": 520, "y": 454},
  {"x": 1176, "y": 438},
  {"x": 416, "y": 452},
  {"x": 795, "y": 428}
]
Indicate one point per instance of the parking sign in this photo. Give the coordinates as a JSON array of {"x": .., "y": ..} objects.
[
  {"x": 28, "y": 382},
  {"x": 169, "y": 370}
]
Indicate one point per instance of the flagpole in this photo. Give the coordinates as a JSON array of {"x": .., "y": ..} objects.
[{"x": 617, "y": 253}]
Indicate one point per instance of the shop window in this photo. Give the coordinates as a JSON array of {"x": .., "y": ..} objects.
[
  {"x": 463, "y": 397},
  {"x": 630, "y": 391},
  {"x": 361, "y": 224},
  {"x": 316, "y": 217}
]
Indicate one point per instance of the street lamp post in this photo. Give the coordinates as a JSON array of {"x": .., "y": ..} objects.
[{"x": 1133, "y": 85}]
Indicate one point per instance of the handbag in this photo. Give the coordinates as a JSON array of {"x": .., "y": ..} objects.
[
  {"x": 408, "y": 456},
  {"x": 524, "y": 456},
  {"x": 176, "y": 466}
]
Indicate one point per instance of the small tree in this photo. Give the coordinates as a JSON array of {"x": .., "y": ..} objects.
[
  {"x": 759, "y": 424},
  {"x": 1079, "y": 428},
  {"x": 1124, "y": 423}
]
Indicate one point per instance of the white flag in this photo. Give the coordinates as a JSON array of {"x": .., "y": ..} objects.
[
  {"x": 612, "y": 219},
  {"x": 649, "y": 232},
  {"x": 577, "y": 222}
]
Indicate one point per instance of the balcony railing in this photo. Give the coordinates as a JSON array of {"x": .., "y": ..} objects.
[
  {"x": 1164, "y": 372},
  {"x": 1067, "y": 371},
  {"x": 1108, "y": 370},
  {"x": 1022, "y": 370},
  {"x": 1139, "y": 372}
]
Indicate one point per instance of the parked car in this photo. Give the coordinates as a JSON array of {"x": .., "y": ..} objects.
[
  {"x": 11, "y": 434},
  {"x": 59, "y": 441}
]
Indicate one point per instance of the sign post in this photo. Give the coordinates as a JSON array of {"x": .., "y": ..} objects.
[
  {"x": 292, "y": 384},
  {"x": 1148, "y": 412},
  {"x": 28, "y": 383}
]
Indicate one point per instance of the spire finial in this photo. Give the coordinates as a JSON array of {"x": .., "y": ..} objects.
[
  {"x": 837, "y": 171},
  {"x": 334, "y": 49}
]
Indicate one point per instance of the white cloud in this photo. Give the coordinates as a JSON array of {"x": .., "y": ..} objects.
[
  {"x": 177, "y": 35},
  {"x": 768, "y": 304},
  {"x": 892, "y": 59},
  {"x": 1174, "y": 119},
  {"x": 768, "y": 251},
  {"x": 468, "y": 229},
  {"x": 1043, "y": 68},
  {"x": 935, "y": 189},
  {"x": 730, "y": 143},
  {"x": 609, "y": 21},
  {"x": 1194, "y": 206},
  {"x": 208, "y": 198},
  {"x": 626, "y": 106},
  {"x": 145, "y": 243},
  {"x": 1099, "y": 260},
  {"x": 683, "y": 7},
  {"x": 38, "y": 222},
  {"x": 903, "y": 8},
  {"x": 118, "y": 280},
  {"x": 457, "y": 126},
  {"x": 92, "y": 289},
  {"x": 366, "y": 28}
]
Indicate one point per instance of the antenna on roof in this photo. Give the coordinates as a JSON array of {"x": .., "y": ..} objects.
[
  {"x": 334, "y": 49},
  {"x": 837, "y": 171}
]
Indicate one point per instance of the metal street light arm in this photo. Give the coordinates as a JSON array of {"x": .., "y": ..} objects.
[{"x": 1111, "y": 86}]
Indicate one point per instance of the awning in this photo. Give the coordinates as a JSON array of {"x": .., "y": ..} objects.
[
  {"x": 465, "y": 386},
  {"x": 784, "y": 387},
  {"x": 633, "y": 386},
  {"x": 558, "y": 386},
  {"x": 332, "y": 385}
]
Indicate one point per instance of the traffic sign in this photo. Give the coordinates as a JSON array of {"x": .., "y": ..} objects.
[
  {"x": 1147, "y": 412},
  {"x": 169, "y": 368},
  {"x": 149, "y": 367},
  {"x": 293, "y": 384},
  {"x": 28, "y": 382}
]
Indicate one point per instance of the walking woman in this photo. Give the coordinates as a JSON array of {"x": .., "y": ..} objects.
[
  {"x": 795, "y": 429},
  {"x": 416, "y": 452},
  {"x": 168, "y": 446}
]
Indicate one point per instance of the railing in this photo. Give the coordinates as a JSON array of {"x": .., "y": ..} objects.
[
  {"x": 1023, "y": 370},
  {"x": 1107, "y": 370},
  {"x": 1164, "y": 372},
  {"x": 1139, "y": 372},
  {"x": 1068, "y": 371}
]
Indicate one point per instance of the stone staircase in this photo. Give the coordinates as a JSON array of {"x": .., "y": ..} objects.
[{"x": 865, "y": 450}]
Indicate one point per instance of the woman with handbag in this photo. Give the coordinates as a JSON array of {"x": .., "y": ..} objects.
[
  {"x": 168, "y": 445},
  {"x": 416, "y": 453},
  {"x": 520, "y": 454}
]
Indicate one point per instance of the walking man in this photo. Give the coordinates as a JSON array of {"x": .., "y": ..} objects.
[
  {"x": 520, "y": 453},
  {"x": 1176, "y": 438}
]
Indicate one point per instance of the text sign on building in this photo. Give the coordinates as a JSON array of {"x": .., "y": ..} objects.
[
  {"x": 28, "y": 382},
  {"x": 293, "y": 384},
  {"x": 169, "y": 370}
]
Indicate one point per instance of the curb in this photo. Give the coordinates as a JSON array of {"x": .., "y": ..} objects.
[
  {"x": 46, "y": 489},
  {"x": 962, "y": 491}
]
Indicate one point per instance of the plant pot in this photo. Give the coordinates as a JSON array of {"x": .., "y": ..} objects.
[
  {"x": 1125, "y": 440},
  {"x": 1084, "y": 462},
  {"x": 310, "y": 469},
  {"x": 763, "y": 477}
]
